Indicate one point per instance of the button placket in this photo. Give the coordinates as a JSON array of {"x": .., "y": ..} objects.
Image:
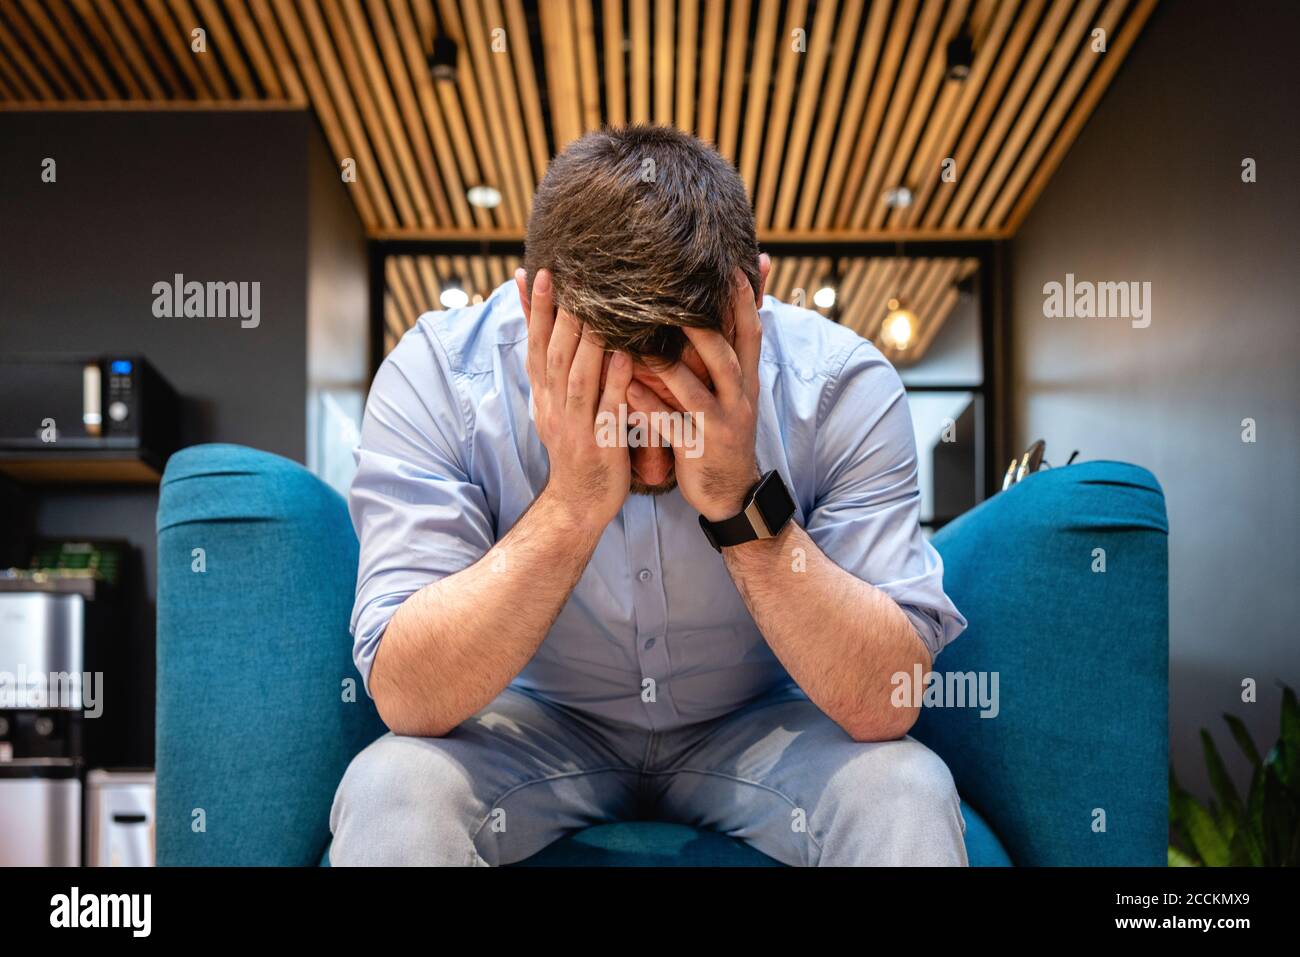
[{"x": 650, "y": 603}]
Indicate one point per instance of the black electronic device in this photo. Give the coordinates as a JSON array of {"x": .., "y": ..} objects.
[{"x": 86, "y": 418}]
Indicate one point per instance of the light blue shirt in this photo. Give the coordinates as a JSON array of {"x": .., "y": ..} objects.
[{"x": 449, "y": 460}]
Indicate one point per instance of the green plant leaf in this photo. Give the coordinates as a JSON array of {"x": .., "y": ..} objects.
[
  {"x": 1243, "y": 738},
  {"x": 1178, "y": 859},
  {"x": 1290, "y": 717},
  {"x": 1288, "y": 745},
  {"x": 1178, "y": 800},
  {"x": 1204, "y": 834},
  {"x": 1282, "y": 820},
  {"x": 1245, "y": 850},
  {"x": 1279, "y": 819},
  {"x": 1263, "y": 829},
  {"x": 1231, "y": 808},
  {"x": 1255, "y": 808}
]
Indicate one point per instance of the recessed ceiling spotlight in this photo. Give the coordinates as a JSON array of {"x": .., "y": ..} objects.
[
  {"x": 824, "y": 298},
  {"x": 898, "y": 197},
  {"x": 961, "y": 55},
  {"x": 898, "y": 327},
  {"x": 484, "y": 196},
  {"x": 453, "y": 295},
  {"x": 442, "y": 62}
]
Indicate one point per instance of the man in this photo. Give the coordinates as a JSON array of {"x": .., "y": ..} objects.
[{"x": 563, "y": 630}]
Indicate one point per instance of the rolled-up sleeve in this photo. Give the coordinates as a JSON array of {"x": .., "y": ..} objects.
[
  {"x": 417, "y": 513},
  {"x": 866, "y": 513}
]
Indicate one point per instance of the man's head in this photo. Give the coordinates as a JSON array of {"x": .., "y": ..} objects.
[{"x": 642, "y": 229}]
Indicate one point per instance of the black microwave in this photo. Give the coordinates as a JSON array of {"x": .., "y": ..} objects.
[{"x": 56, "y": 405}]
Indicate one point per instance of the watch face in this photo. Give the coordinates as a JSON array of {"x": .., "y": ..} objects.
[{"x": 774, "y": 502}]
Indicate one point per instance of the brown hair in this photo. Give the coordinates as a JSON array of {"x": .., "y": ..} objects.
[{"x": 642, "y": 229}]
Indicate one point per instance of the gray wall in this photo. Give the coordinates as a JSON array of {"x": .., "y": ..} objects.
[
  {"x": 338, "y": 288},
  {"x": 228, "y": 196},
  {"x": 1152, "y": 191},
  {"x": 242, "y": 196},
  {"x": 139, "y": 197}
]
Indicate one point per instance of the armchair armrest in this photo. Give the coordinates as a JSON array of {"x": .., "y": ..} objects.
[
  {"x": 1082, "y": 658},
  {"x": 255, "y": 725}
]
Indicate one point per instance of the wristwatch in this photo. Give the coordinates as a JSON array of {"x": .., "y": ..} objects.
[{"x": 768, "y": 506}]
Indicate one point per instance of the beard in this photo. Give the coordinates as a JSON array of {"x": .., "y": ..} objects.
[
  {"x": 657, "y": 463},
  {"x": 663, "y": 488}
]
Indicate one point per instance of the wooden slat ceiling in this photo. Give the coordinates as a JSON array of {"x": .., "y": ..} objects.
[
  {"x": 822, "y": 104},
  {"x": 414, "y": 285},
  {"x": 927, "y": 287}
]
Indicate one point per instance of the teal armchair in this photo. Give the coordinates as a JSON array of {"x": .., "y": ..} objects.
[{"x": 260, "y": 708}]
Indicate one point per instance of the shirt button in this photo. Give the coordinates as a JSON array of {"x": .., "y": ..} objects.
[
  {"x": 650, "y": 644},
  {"x": 645, "y": 574}
]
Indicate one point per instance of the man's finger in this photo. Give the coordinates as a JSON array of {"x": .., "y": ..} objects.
[
  {"x": 687, "y": 389},
  {"x": 748, "y": 334},
  {"x": 521, "y": 283},
  {"x": 560, "y": 352},
  {"x": 618, "y": 375},
  {"x": 721, "y": 361},
  {"x": 541, "y": 320},
  {"x": 656, "y": 412},
  {"x": 584, "y": 376}
]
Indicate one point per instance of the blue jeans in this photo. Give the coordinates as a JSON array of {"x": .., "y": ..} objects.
[{"x": 524, "y": 772}]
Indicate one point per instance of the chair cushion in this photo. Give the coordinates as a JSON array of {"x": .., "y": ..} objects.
[
  {"x": 659, "y": 844},
  {"x": 648, "y": 844},
  {"x": 983, "y": 848}
]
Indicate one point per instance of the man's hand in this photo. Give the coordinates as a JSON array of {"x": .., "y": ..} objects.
[
  {"x": 588, "y": 483},
  {"x": 717, "y": 480}
]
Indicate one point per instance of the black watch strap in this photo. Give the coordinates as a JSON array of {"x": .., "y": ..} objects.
[{"x": 767, "y": 509}]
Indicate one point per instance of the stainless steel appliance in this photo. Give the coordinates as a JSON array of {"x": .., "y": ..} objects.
[
  {"x": 40, "y": 813},
  {"x": 120, "y": 819},
  {"x": 61, "y": 642}
]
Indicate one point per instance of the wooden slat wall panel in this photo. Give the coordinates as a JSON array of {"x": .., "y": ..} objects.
[
  {"x": 927, "y": 170},
  {"x": 790, "y": 54},
  {"x": 710, "y": 71},
  {"x": 148, "y": 74},
  {"x": 497, "y": 81},
  {"x": 687, "y": 39},
  {"x": 176, "y": 38},
  {"x": 928, "y": 111},
  {"x": 1082, "y": 109},
  {"x": 819, "y": 133},
  {"x": 615, "y": 84},
  {"x": 521, "y": 58},
  {"x": 45, "y": 31},
  {"x": 761, "y": 57},
  {"x": 664, "y": 41},
  {"x": 257, "y": 50},
  {"x": 222, "y": 42},
  {"x": 885, "y": 145},
  {"x": 734, "y": 79},
  {"x": 588, "y": 72},
  {"x": 829, "y": 17},
  {"x": 639, "y": 76}
]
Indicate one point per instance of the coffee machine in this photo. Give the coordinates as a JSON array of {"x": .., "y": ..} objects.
[{"x": 62, "y": 641}]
